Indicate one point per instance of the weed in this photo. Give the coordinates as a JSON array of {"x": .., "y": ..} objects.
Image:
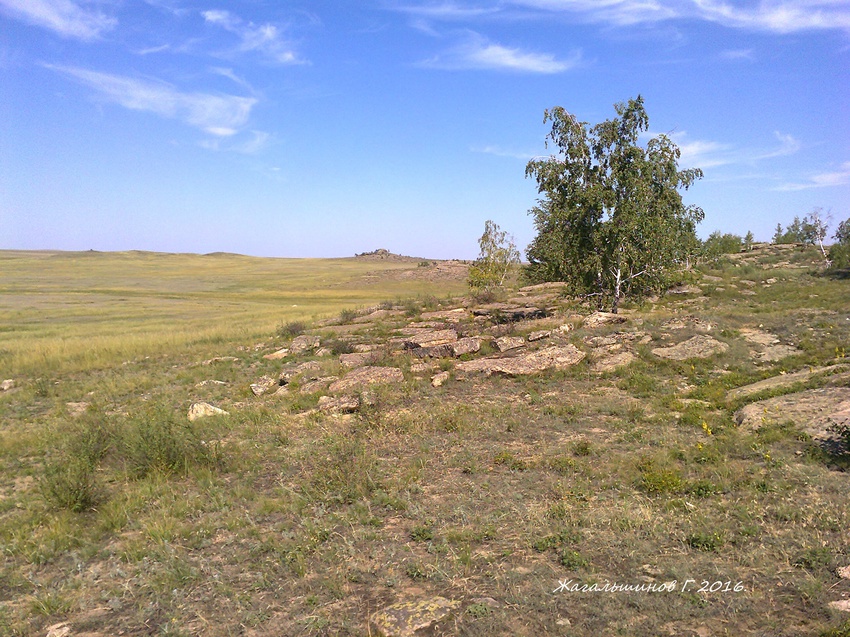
[
  {"x": 813, "y": 559},
  {"x": 507, "y": 459},
  {"x": 478, "y": 610},
  {"x": 705, "y": 541},
  {"x": 71, "y": 483},
  {"x": 572, "y": 560},
  {"x": 291, "y": 329},
  {"x": 423, "y": 533}
]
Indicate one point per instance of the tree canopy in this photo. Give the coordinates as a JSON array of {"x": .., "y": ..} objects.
[{"x": 610, "y": 219}]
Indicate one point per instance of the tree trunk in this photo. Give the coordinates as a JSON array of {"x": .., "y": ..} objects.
[{"x": 616, "y": 303}]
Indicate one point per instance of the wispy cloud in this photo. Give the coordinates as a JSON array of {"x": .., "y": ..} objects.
[
  {"x": 839, "y": 177},
  {"x": 265, "y": 39},
  {"x": 476, "y": 52},
  {"x": 498, "y": 151},
  {"x": 788, "y": 145},
  {"x": 65, "y": 17},
  {"x": 217, "y": 114},
  {"x": 711, "y": 154},
  {"x": 776, "y": 16},
  {"x": 738, "y": 54}
]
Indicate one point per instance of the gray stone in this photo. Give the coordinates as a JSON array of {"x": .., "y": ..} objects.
[
  {"x": 339, "y": 404},
  {"x": 598, "y": 319},
  {"x": 539, "y": 335},
  {"x": 281, "y": 353},
  {"x": 263, "y": 385}
]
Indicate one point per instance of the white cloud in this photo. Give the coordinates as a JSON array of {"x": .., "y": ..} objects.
[
  {"x": 822, "y": 180},
  {"x": 220, "y": 114},
  {"x": 738, "y": 54},
  {"x": 776, "y": 16},
  {"x": 266, "y": 39},
  {"x": 478, "y": 53},
  {"x": 65, "y": 17},
  {"x": 788, "y": 145}
]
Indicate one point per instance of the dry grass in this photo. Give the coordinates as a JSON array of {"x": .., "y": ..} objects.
[{"x": 279, "y": 519}]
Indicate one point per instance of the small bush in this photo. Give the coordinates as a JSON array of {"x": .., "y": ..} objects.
[
  {"x": 422, "y": 533},
  {"x": 70, "y": 483},
  {"x": 813, "y": 559},
  {"x": 572, "y": 560},
  {"x": 291, "y": 329},
  {"x": 705, "y": 541},
  {"x": 347, "y": 315}
]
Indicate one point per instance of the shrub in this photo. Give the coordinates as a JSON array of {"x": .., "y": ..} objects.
[
  {"x": 291, "y": 329},
  {"x": 70, "y": 483}
]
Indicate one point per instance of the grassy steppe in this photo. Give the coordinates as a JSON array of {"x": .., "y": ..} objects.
[
  {"x": 280, "y": 519},
  {"x": 63, "y": 311}
]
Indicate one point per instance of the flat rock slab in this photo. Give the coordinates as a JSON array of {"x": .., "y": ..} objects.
[
  {"x": 340, "y": 404},
  {"x": 468, "y": 345},
  {"x": 506, "y": 343},
  {"x": 611, "y": 362},
  {"x": 758, "y": 337},
  {"x": 406, "y": 618},
  {"x": 281, "y": 353},
  {"x": 777, "y": 352},
  {"x": 554, "y": 357},
  {"x": 782, "y": 381},
  {"x": 357, "y": 359},
  {"x": 308, "y": 369},
  {"x": 505, "y": 313},
  {"x": 452, "y": 316},
  {"x": 814, "y": 410},
  {"x": 430, "y": 338},
  {"x": 598, "y": 319},
  {"x": 700, "y": 346},
  {"x": 367, "y": 376},
  {"x": 685, "y": 322}
]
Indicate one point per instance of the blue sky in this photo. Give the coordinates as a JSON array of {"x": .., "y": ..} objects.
[{"x": 318, "y": 128}]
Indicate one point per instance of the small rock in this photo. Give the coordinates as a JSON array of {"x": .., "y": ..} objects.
[
  {"x": 842, "y": 605},
  {"x": 566, "y": 327},
  {"x": 323, "y": 351},
  {"x": 263, "y": 385},
  {"x": 437, "y": 380},
  {"x": 406, "y": 618},
  {"x": 468, "y": 345},
  {"x": 7, "y": 384},
  {"x": 303, "y": 343},
  {"x": 281, "y": 353},
  {"x": 844, "y": 572},
  {"x": 602, "y": 318},
  {"x": 204, "y": 383},
  {"x": 539, "y": 335},
  {"x": 340, "y": 404},
  {"x": 202, "y": 410},
  {"x": 506, "y": 343}
]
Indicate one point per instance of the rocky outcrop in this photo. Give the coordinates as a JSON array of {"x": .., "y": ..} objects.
[
  {"x": 367, "y": 376},
  {"x": 597, "y": 319},
  {"x": 782, "y": 381},
  {"x": 339, "y": 404},
  {"x": 815, "y": 411},
  {"x": 303, "y": 343},
  {"x": 553, "y": 357},
  {"x": 430, "y": 338},
  {"x": 700, "y": 346},
  {"x": 506, "y": 343}
]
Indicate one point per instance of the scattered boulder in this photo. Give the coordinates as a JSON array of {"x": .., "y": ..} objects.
[
  {"x": 7, "y": 384},
  {"x": 308, "y": 369},
  {"x": 203, "y": 410},
  {"x": 539, "y": 335},
  {"x": 612, "y": 361},
  {"x": 304, "y": 343},
  {"x": 700, "y": 346},
  {"x": 598, "y": 319},
  {"x": 405, "y": 619},
  {"x": 468, "y": 345},
  {"x": 553, "y": 357},
  {"x": 438, "y": 380},
  {"x": 281, "y": 353},
  {"x": 339, "y": 404},
  {"x": 814, "y": 410},
  {"x": 367, "y": 376},
  {"x": 356, "y": 359},
  {"x": 263, "y": 385},
  {"x": 317, "y": 385},
  {"x": 509, "y": 342}
]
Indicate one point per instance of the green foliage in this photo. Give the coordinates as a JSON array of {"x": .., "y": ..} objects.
[
  {"x": 498, "y": 256},
  {"x": 291, "y": 329},
  {"x": 839, "y": 253},
  {"x": 611, "y": 221},
  {"x": 719, "y": 244},
  {"x": 748, "y": 241},
  {"x": 810, "y": 230},
  {"x": 70, "y": 483},
  {"x": 705, "y": 541}
]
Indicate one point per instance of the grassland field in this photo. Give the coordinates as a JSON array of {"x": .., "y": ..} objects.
[{"x": 119, "y": 516}]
